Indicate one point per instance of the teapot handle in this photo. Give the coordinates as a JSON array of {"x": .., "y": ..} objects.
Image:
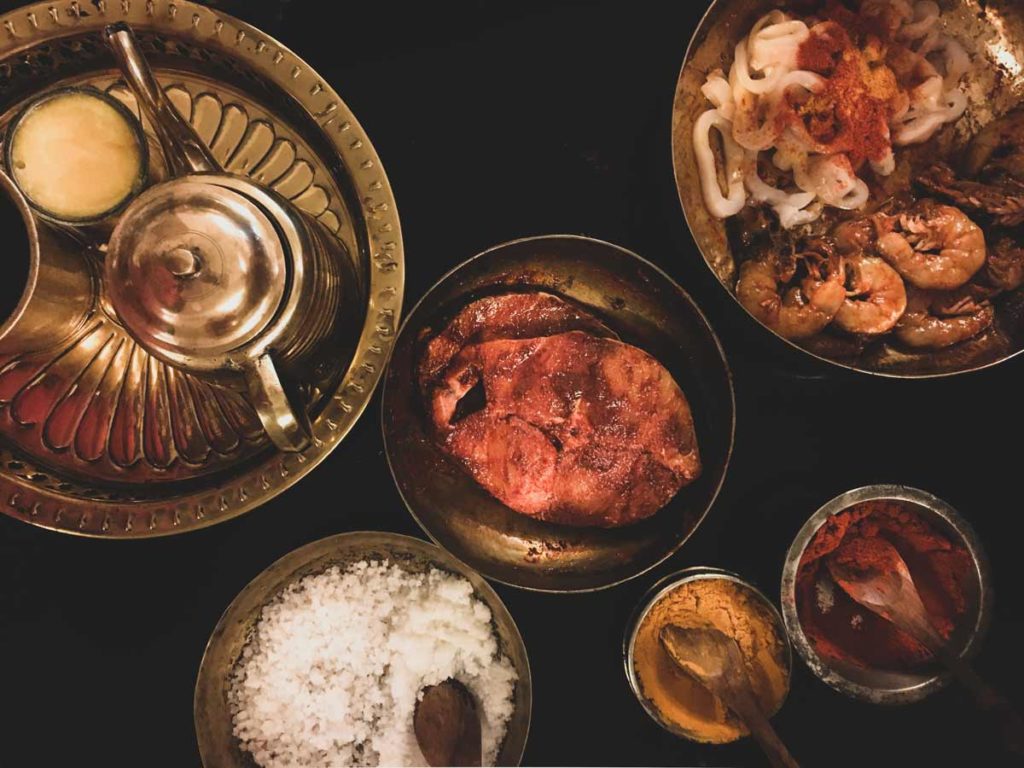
[
  {"x": 184, "y": 151},
  {"x": 287, "y": 425}
]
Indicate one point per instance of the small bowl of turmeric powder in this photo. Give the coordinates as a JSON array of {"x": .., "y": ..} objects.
[
  {"x": 856, "y": 651},
  {"x": 705, "y": 598}
]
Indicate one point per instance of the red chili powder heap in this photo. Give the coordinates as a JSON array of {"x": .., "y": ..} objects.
[
  {"x": 852, "y": 113},
  {"x": 841, "y": 630}
]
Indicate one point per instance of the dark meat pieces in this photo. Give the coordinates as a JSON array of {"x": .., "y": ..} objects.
[
  {"x": 1004, "y": 269},
  {"x": 576, "y": 428},
  {"x": 1003, "y": 199}
]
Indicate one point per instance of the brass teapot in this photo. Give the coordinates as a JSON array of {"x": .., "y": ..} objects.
[{"x": 220, "y": 277}]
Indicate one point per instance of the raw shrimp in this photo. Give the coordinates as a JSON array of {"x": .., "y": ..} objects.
[
  {"x": 876, "y": 296},
  {"x": 934, "y": 246},
  {"x": 940, "y": 319},
  {"x": 803, "y": 309}
]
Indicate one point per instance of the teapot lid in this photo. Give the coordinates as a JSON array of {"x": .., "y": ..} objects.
[{"x": 195, "y": 269}]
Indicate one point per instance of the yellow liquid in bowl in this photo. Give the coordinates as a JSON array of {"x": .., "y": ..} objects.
[{"x": 75, "y": 156}]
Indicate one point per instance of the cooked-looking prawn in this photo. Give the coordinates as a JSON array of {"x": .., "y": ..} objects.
[
  {"x": 860, "y": 235},
  {"x": 802, "y": 309},
  {"x": 934, "y": 246},
  {"x": 876, "y": 297},
  {"x": 936, "y": 319}
]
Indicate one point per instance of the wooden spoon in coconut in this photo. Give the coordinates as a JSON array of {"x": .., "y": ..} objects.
[{"x": 447, "y": 725}]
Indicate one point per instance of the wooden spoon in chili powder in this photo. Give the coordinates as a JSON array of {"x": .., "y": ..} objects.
[
  {"x": 447, "y": 725},
  {"x": 872, "y": 572},
  {"x": 713, "y": 659}
]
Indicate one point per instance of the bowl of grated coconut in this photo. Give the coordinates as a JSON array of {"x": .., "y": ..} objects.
[{"x": 319, "y": 660}]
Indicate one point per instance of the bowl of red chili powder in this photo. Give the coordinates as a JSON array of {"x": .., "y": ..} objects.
[{"x": 849, "y": 647}]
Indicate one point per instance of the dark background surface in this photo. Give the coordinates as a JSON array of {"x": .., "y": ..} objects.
[{"x": 495, "y": 121}]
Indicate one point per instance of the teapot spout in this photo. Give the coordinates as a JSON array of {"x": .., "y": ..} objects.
[{"x": 184, "y": 151}]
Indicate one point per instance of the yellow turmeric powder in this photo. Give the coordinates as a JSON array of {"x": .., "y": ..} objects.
[{"x": 733, "y": 609}]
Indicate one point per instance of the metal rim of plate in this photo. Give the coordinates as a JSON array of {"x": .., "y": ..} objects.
[
  {"x": 26, "y": 491},
  {"x": 413, "y": 323},
  {"x": 720, "y": 18},
  {"x": 879, "y": 686},
  {"x": 235, "y": 626}
]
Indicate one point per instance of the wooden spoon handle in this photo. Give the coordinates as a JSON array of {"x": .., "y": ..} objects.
[
  {"x": 988, "y": 699},
  {"x": 744, "y": 704},
  {"x": 777, "y": 753}
]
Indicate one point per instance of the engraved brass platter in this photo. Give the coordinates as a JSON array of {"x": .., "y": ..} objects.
[
  {"x": 100, "y": 439},
  {"x": 992, "y": 31}
]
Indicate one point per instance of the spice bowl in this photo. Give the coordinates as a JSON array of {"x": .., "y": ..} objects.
[
  {"x": 634, "y": 643},
  {"x": 889, "y": 686}
]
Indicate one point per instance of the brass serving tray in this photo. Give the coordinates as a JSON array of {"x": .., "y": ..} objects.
[{"x": 96, "y": 437}]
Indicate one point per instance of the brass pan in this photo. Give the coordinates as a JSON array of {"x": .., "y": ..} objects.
[
  {"x": 992, "y": 31},
  {"x": 646, "y": 308}
]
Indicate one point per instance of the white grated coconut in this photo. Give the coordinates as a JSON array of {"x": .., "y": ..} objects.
[{"x": 331, "y": 674}]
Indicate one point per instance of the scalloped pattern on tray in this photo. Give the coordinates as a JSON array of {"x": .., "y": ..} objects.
[{"x": 212, "y": 429}]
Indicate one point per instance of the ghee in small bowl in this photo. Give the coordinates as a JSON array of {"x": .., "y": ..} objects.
[{"x": 77, "y": 155}]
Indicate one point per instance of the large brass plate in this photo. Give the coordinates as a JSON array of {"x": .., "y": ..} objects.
[{"x": 183, "y": 454}]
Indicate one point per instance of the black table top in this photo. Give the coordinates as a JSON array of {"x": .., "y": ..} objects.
[{"x": 495, "y": 121}]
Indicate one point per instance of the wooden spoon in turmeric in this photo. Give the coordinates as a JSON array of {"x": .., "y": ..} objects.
[{"x": 714, "y": 660}]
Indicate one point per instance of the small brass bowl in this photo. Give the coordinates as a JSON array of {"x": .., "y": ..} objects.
[
  {"x": 646, "y": 308},
  {"x": 656, "y": 593},
  {"x": 218, "y": 747},
  {"x": 133, "y": 124},
  {"x": 876, "y": 685}
]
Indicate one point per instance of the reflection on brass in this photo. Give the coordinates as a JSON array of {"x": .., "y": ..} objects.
[
  {"x": 218, "y": 747},
  {"x": 218, "y": 276},
  {"x": 992, "y": 32},
  {"x": 59, "y": 288},
  {"x": 99, "y": 437},
  {"x": 647, "y": 309}
]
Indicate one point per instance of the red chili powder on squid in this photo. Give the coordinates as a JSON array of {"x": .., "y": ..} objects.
[
  {"x": 852, "y": 113},
  {"x": 840, "y": 629}
]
